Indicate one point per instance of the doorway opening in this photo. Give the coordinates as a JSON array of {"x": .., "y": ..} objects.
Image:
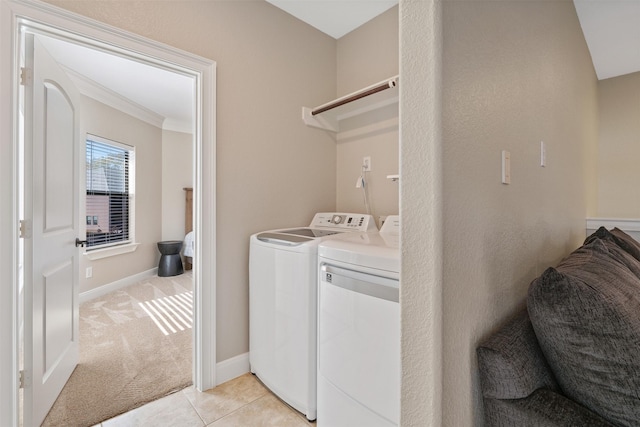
[{"x": 49, "y": 21}]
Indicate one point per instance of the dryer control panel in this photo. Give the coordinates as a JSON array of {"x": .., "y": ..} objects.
[{"x": 346, "y": 221}]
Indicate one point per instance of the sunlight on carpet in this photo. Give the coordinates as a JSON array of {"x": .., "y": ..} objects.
[
  {"x": 125, "y": 361},
  {"x": 175, "y": 310}
]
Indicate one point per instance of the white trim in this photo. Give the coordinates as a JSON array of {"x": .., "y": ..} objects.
[
  {"x": 624, "y": 224},
  {"x": 111, "y": 251},
  {"x": 121, "y": 145},
  {"x": 8, "y": 219},
  {"x": 177, "y": 126},
  {"x": 114, "y": 286},
  {"x": 205, "y": 225},
  {"x": 86, "y": 31},
  {"x": 108, "y": 97},
  {"x": 232, "y": 368}
]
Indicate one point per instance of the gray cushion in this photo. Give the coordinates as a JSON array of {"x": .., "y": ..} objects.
[
  {"x": 511, "y": 363},
  {"x": 620, "y": 238},
  {"x": 619, "y": 249},
  {"x": 628, "y": 243},
  {"x": 586, "y": 315},
  {"x": 544, "y": 408}
]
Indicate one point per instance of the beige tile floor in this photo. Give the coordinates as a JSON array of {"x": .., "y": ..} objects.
[{"x": 243, "y": 401}]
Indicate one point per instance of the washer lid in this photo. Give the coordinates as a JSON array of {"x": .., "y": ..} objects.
[
  {"x": 294, "y": 236},
  {"x": 282, "y": 239},
  {"x": 310, "y": 232}
]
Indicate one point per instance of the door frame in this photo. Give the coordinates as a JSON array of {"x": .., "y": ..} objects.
[{"x": 15, "y": 14}]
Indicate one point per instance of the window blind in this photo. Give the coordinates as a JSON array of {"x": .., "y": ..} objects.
[{"x": 107, "y": 205}]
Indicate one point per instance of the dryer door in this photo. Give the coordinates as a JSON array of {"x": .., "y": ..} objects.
[{"x": 359, "y": 344}]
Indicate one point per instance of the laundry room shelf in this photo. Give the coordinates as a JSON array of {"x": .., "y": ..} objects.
[{"x": 328, "y": 116}]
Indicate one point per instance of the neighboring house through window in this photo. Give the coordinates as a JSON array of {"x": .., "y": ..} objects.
[{"x": 109, "y": 170}]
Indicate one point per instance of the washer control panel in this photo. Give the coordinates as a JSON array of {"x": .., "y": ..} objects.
[{"x": 347, "y": 221}]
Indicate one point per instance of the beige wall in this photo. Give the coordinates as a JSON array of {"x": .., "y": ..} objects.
[
  {"x": 421, "y": 211},
  {"x": 177, "y": 173},
  {"x": 367, "y": 55},
  {"x": 106, "y": 122},
  {"x": 514, "y": 74},
  {"x": 619, "y": 147},
  {"x": 272, "y": 171}
]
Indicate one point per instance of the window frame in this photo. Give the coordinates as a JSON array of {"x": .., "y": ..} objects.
[{"x": 127, "y": 245}]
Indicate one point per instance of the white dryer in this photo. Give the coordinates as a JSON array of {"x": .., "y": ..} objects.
[
  {"x": 359, "y": 329},
  {"x": 283, "y": 305}
]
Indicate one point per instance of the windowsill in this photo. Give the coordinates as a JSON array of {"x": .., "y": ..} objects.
[{"x": 111, "y": 251}]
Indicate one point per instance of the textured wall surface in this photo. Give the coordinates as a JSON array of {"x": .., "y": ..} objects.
[
  {"x": 272, "y": 171},
  {"x": 515, "y": 73},
  {"x": 619, "y": 147},
  {"x": 420, "y": 209}
]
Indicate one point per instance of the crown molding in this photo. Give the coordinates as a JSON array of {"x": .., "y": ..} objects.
[
  {"x": 94, "y": 90},
  {"x": 177, "y": 126}
]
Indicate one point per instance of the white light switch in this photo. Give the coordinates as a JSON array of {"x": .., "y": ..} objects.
[
  {"x": 543, "y": 154},
  {"x": 506, "y": 167}
]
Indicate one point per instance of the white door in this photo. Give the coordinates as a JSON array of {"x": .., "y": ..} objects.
[{"x": 52, "y": 163}]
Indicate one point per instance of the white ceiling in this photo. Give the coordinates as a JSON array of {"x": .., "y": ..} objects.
[
  {"x": 334, "y": 17},
  {"x": 612, "y": 31},
  {"x": 160, "y": 97},
  {"x": 166, "y": 99}
]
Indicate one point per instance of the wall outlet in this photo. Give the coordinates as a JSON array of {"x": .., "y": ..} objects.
[
  {"x": 366, "y": 164},
  {"x": 88, "y": 273}
]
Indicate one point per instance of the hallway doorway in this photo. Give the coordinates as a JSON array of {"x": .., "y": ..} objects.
[{"x": 48, "y": 20}]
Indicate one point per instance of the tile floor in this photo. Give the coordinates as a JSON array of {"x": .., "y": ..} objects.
[{"x": 243, "y": 401}]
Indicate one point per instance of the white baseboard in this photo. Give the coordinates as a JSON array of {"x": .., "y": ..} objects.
[
  {"x": 624, "y": 224},
  {"x": 118, "y": 284},
  {"x": 232, "y": 368}
]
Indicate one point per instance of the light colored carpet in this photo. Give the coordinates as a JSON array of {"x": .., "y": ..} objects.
[{"x": 135, "y": 347}]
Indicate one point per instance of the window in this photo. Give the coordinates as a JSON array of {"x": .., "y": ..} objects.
[{"x": 109, "y": 192}]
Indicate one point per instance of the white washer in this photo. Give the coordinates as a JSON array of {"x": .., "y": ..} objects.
[
  {"x": 359, "y": 329},
  {"x": 283, "y": 305}
]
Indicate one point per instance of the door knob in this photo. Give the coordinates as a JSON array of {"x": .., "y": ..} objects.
[{"x": 80, "y": 242}]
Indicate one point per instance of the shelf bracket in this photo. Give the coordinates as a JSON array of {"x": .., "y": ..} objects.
[{"x": 319, "y": 122}]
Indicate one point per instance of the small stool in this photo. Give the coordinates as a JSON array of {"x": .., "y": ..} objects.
[{"x": 170, "y": 261}]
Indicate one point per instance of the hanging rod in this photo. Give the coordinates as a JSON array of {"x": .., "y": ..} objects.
[{"x": 355, "y": 96}]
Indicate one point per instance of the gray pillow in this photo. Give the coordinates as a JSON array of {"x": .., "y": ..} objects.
[
  {"x": 586, "y": 315},
  {"x": 619, "y": 247},
  {"x": 626, "y": 242},
  {"x": 511, "y": 363}
]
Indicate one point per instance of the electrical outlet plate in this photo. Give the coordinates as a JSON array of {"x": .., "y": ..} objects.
[{"x": 366, "y": 164}]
